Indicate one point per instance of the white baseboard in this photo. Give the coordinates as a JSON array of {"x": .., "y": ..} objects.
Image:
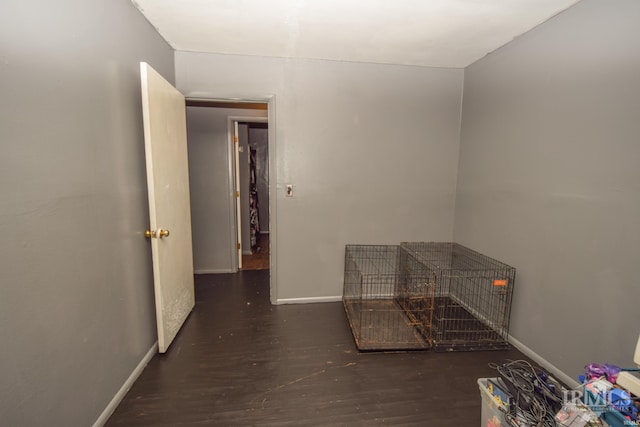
[
  {"x": 309, "y": 300},
  {"x": 554, "y": 371},
  {"x": 213, "y": 271},
  {"x": 104, "y": 417}
]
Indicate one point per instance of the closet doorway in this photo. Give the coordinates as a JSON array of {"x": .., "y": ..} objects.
[{"x": 252, "y": 178}]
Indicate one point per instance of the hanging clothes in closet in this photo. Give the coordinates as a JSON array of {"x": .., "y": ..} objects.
[{"x": 254, "y": 219}]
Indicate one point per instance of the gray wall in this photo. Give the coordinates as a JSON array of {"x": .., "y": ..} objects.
[
  {"x": 212, "y": 207},
  {"x": 76, "y": 290},
  {"x": 548, "y": 180},
  {"x": 371, "y": 150}
]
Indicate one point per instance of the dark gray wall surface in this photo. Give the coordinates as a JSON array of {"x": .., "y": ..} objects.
[
  {"x": 371, "y": 151},
  {"x": 549, "y": 180},
  {"x": 213, "y": 209},
  {"x": 76, "y": 290}
]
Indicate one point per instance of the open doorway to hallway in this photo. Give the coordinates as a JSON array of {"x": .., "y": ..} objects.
[
  {"x": 254, "y": 194},
  {"x": 221, "y": 195}
]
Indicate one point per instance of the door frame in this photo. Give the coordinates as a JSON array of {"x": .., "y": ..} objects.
[
  {"x": 270, "y": 100},
  {"x": 234, "y": 185}
]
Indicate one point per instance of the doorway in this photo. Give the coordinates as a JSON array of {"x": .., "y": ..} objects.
[
  {"x": 217, "y": 223},
  {"x": 253, "y": 153}
]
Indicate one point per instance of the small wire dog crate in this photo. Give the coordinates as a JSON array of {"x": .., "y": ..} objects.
[
  {"x": 385, "y": 302},
  {"x": 426, "y": 295}
]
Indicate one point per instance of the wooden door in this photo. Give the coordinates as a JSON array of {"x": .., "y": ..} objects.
[{"x": 165, "y": 136}]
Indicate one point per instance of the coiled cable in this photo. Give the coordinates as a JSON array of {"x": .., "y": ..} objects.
[{"x": 534, "y": 393}]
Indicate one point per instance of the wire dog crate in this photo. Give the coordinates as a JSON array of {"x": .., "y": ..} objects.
[
  {"x": 473, "y": 294},
  {"x": 427, "y": 295},
  {"x": 385, "y": 301}
]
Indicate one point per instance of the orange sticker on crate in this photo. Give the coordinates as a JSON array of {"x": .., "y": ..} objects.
[{"x": 499, "y": 282}]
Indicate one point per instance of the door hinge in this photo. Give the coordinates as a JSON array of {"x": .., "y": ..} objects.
[
  {"x": 235, "y": 138},
  {"x": 238, "y": 246},
  {"x": 237, "y": 194}
]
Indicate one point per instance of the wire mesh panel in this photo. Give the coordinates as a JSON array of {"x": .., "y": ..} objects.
[
  {"x": 379, "y": 299},
  {"x": 415, "y": 293},
  {"x": 473, "y": 295}
]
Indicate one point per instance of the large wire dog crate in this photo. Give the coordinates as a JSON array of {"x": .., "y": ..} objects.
[
  {"x": 426, "y": 295},
  {"x": 473, "y": 295}
]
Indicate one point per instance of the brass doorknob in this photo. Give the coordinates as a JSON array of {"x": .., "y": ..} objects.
[{"x": 156, "y": 234}]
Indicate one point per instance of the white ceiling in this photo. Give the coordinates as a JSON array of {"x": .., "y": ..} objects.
[{"x": 434, "y": 33}]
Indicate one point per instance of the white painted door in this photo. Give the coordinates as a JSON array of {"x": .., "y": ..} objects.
[{"x": 165, "y": 140}]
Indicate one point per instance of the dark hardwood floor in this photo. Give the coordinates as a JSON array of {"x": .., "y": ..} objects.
[{"x": 241, "y": 361}]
